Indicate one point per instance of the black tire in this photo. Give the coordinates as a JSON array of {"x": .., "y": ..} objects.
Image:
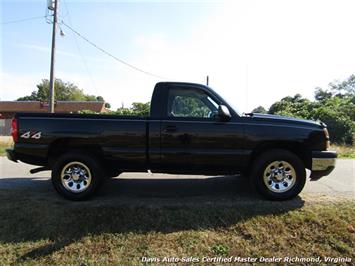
[
  {"x": 263, "y": 165},
  {"x": 85, "y": 162}
]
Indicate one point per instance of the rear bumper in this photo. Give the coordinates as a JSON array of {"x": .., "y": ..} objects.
[
  {"x": 323, "y": 163},
  {"x": 35, "y": 154},
  {"x": 11, "y": 155}
]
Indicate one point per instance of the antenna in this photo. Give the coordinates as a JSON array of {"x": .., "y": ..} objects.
[{"x": 247, "y": 85}]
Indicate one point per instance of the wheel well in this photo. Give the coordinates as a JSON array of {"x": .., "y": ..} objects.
[
  {"x": 64, "y": 145},
  {"x": 297, "y": 148}
]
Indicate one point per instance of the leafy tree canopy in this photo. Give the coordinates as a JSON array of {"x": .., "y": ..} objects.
[
  {"x": 340, "y": 89},
  {"x": 189, "y": 107},
  {"x": 137, "y": 109},
  {"x": 259, "y": 110},
  {"x": 334, "y": 106},
  {"x": 64, "y": 91}
]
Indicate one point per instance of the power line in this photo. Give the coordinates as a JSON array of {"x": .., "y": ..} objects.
[
  {"x": 88, "y": 41},
  {"x": 20, "y": 20},
  {"x": 111, "y": 55},
  {"x": 79, "y": 50}
]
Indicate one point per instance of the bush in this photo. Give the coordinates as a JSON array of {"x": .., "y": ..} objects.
[{"x": 334, "y": 106}]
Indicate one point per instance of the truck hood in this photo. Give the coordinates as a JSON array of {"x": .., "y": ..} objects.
[{"x": 286, "y": 119}]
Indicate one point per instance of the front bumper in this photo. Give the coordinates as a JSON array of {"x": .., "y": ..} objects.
[{"x": 323, "y": 163}]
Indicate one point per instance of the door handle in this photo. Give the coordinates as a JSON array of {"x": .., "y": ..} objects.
[{"x": 170, "y": 129}]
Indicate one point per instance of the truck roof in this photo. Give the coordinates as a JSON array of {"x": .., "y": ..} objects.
[{"x": 180, "y": 83}]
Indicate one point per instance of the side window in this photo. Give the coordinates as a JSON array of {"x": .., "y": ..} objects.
[{"x": 187, "y": 102}]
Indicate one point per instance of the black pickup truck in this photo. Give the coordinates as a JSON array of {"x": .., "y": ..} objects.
[{"x": 190, "y": 130}]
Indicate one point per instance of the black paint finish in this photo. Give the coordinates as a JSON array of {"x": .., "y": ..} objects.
[{"x": 166, "y": 144}]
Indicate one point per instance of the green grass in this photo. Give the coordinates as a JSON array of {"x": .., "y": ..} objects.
[
  {"x": 52, "y": 231},
  {"x": 344, "y": 151},
  {"x": 5, "y": 143},
  {"x": 3, "y": 147},
  {"x": 2, "y": 150}
]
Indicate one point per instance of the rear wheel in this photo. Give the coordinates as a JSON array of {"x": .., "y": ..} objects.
[
  {"x": 278, "y": 174},
  {"x": 76, "y": 176}
]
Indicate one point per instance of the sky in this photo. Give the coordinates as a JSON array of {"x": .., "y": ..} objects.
[{"x": 255, "y": 52}]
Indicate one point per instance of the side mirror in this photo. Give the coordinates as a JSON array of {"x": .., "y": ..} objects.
[{"x": 223, "y": 113}]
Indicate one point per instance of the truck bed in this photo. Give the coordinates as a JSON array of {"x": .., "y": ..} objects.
[{"x": 120, "y": 138}]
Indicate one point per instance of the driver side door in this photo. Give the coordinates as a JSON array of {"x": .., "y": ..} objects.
[{"x": 193, "y": 139}]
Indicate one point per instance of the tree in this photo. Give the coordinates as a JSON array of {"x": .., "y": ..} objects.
[
  {"x": 335, "y": 106},
  {"x": 64, "y": 91},
  {"x": 321, "y": 94},
  {"x": 343, "y": 88},
  {"x": 137, "y": 109},
  {"x": 295, "y": 106},
  {"x": 260, "y": 110},
  {"x": 189, "y": 107}
]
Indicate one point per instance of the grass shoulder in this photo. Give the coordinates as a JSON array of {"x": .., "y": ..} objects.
[
  {"x": 57, "y": 232},
  {"x": 5, "y": 143},
  {"x": 344, "y": 151}
]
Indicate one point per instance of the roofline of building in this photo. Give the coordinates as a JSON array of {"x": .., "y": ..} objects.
[{"x": 56, "y": 101}]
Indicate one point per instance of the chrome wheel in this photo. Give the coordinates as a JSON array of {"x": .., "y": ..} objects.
[
  {"x": 76, "y": 177},
  {"x": 279, "y": 176}
]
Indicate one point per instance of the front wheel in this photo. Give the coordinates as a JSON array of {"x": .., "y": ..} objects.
[
  {"x": 278, "y": 174},
  {"x": 76, "y": 176}
]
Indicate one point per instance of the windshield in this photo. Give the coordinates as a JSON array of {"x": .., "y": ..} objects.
[
  {"x": 231, "y": 105},
  {"x": 235, "y": 109}
]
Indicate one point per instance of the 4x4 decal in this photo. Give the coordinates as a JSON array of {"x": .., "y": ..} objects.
[{"x": 27, "y": 135}]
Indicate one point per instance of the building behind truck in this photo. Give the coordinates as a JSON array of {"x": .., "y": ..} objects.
[{"x": 9, "y": 108}]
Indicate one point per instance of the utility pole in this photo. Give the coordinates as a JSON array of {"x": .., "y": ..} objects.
[
  {"x": 207, "y": 80},
  {"x": 52, "y": 78}
]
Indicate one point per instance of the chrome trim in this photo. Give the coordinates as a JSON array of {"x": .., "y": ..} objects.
[
  {"x": 319, "y": 164},
  {"x": 76, "y": 177},
  {"x": 279, "y": 176}
]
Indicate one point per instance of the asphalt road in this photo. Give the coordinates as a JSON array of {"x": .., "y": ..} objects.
[{"x": 16, "y": 176}]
